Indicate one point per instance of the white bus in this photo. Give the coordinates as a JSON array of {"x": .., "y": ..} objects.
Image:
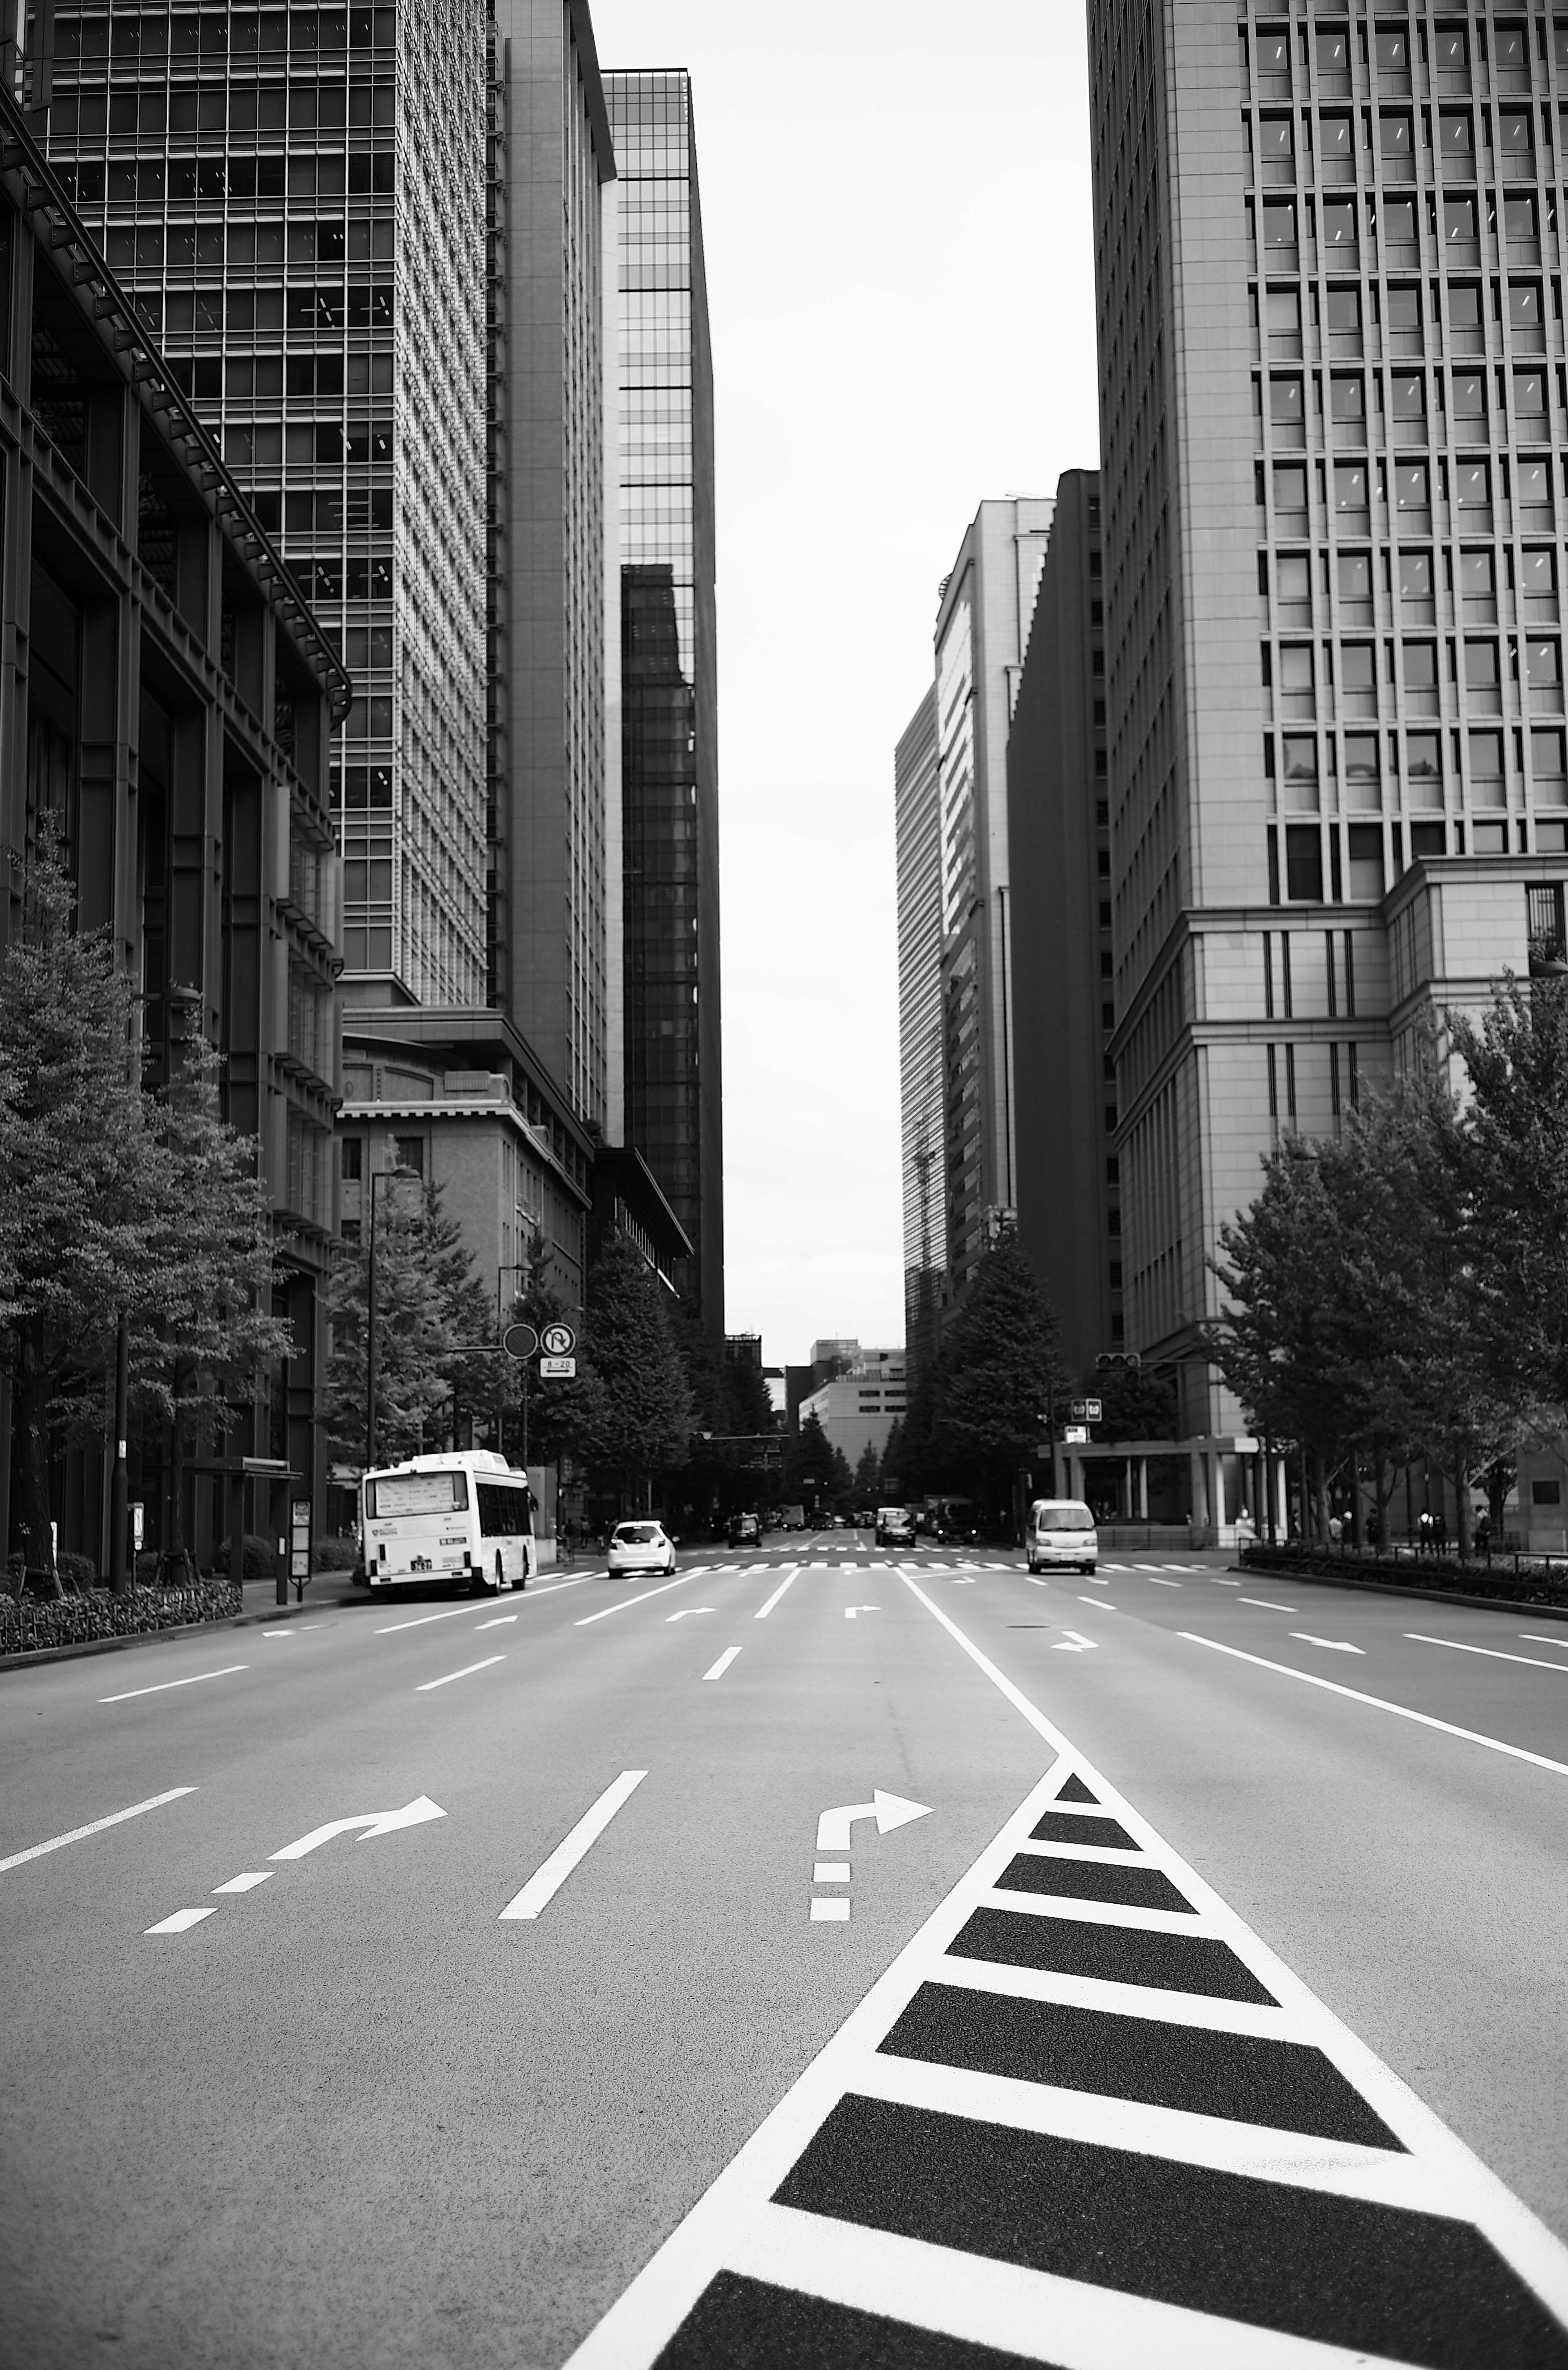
[{"x": 466, "y": 1517}]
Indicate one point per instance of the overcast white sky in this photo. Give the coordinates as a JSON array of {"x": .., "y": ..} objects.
[{"x": 896, "y": 208}]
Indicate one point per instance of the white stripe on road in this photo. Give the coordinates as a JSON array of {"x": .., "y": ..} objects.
[
  {"x": 94, "y": 1828},
  {"x": 1267, "y": 1603},
  {"x": 723, "y": 1664},
  {"x": 421, "y": 1619},
  {"x": 1400, "y": 1711},
  {"x": 548, "y": 1880},
  {"x": 762, "y": 1611},
  {"x": 465, "y": 1673},
  {"x": 1495, "y": 1653},
  {"x": 628, "y": 1601},
  {"x": 1157, "y": 1582},
  {"x": 1536, "y": 1640},
  {"x": 557, "y": 1584},
  {"x": 247, "y": 1883},
  {"x": 181, "y": 1922},
  {"x": 195, "y": 1680}
]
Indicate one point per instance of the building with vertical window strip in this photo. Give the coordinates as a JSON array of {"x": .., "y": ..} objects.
[
  {"x": 294, "y": 196},
  {"x": 1333, "y": 407},
  {"x": 673, "y": 1105},
  {"x": 921, "y": 1067},
  {"x": 167, "y": 694}
]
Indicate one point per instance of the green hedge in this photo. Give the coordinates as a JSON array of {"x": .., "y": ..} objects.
[
  {"x": 27, "y": 1625},
  {"x": 335, "y": 1554},
  {"x": 1512, "y": 1579}
]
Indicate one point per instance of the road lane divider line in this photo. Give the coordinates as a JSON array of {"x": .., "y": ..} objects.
[
  {"x": 1537, "y": 1640},
  {"x": 702, "y": 1571},
  {"x": 723, "y": 1664},
  {"x": 466, "y": 1672},
  {"x": 1156, "y": 1581},
  {"x": 1267, "y": 1603},
  {"x": 449, "y": 1613},
  {"x": 247, "y": 1883},
  {"x": 1380, "y": 1703},
  {"x": 181, "y": 1922},
  {"x": 552, "y": 1587},
  {"x": 164, "y": 1685},
  {"x": 552, "y": 1873},
  {"x": 1494, "y": 1653},
  {"x": 94, "y": 1828}
]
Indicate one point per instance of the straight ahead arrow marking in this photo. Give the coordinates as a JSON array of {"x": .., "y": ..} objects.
[{"x": 1334, "y": 1645}]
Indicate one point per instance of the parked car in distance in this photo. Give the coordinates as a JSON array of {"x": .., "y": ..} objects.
[
  {"x": 895, "y": 1527},
  {"x": 1060, "y": 1533},
  {"x": 745, "y": 1531},
  {"x": 641, "y": 1546}
]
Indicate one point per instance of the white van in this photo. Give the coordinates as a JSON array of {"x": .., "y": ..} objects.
[{"x": 1061, "y": 1533}]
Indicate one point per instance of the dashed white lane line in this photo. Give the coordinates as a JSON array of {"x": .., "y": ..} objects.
[
  {"x": 1157, "y": 1582},
  {"x": 830, "y": 1913},
  {"x": 702, "y": 1571},
  {"x": 1379, "y": 1703},
  {"x": 498, "y": 1622},
  {"x": 94, "y": 1828},
  {"x": 466, "y": 1672},
  {"x": 1267, "y": 1603},
  {"x": 246, "y": 1883},
  {"x": 764, "y": 1610},
  {"x": 181, "y": 1922},
  {"x": 1537, "y": 1639},
  {"x": 1494, "y": 1653},
  {"x": 552, "y": 1873},
  {"x": 553, "y": 1587},
  {"x": 419, "y": 1619},
  {"x": 723, "y": 1664},
  {"x": 164, "y": 1685}
]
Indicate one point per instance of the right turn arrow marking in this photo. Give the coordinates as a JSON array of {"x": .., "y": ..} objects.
[{"x": 889, "y": 1811}]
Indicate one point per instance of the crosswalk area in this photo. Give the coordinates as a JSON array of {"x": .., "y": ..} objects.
[{"x": 1088, "y": 2118}]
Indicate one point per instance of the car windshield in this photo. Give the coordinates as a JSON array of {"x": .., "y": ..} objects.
[
  {"x": 1063, "y": 1518},
  {"x": 635, "y": 1535}
]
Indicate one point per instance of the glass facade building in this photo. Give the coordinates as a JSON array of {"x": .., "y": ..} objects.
[
  {"x": 921, "y": 1065},
  {"x": 673, "y": 1100},
  {"x": 294, "y": 197}
]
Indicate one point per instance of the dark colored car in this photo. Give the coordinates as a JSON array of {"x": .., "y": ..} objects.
[{"x": 745, "y": 1531}]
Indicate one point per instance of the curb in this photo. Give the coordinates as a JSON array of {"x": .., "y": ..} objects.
[
  {"x": 274, "y": 1612},
  {"x": 1397, "y": 1588}
]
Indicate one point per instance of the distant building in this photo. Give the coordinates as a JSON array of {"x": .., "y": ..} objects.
[
  {"x": 1069, "y": 1215},
  {"x": 859, "y": 1409},
  {"x": 922, "y": 1066},
  {"x": 167, "y": 694}
]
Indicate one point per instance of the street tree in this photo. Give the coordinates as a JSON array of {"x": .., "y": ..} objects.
[
  {"x": 999, "y": 1368},
  {"x": 641, "y": 1422},
  {"x": 421, "y": 1317},
  {"x": 867, "y": 1475}
]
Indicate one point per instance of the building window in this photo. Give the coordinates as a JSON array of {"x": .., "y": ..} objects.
[
  {"x": 411, "y": 1153},
  {"x": 351, "y": 1230},
  {"x": 1546, "y": 1493},
  {"x": 354, "y": 1155},
  {"x": 1304, "y": 863}
]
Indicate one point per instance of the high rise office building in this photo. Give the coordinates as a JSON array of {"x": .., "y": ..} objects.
[
  {"x": 672, "y": 1106},
  {"x": 293, "y": 197},
  {"x": 551, "y": 169},
  {"x": 1069, "y": 1219},
  {"x": 1332, "y": 415},
  {"x": 922, "y": 1070},
  {"x": 981, "y": 626}
]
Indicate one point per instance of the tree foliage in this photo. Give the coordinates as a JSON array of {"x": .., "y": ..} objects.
[
  {"x": 432, "y": 1315},
  {"x": 638, "y": 1421},
  {"x": 996, "y": 1373}
]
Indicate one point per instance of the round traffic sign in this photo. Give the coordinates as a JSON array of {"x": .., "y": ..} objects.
[
  {"x": 558, "y": 1340},
  {"x": 519, "y": 1341}
]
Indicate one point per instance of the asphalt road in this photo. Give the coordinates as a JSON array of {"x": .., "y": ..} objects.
[{"x": 1196, "y": 1996}]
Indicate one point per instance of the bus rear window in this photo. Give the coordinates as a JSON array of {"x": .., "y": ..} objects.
[
  {"x": 504, "y": 1510},
  {"x": 416, "y": 1493}
]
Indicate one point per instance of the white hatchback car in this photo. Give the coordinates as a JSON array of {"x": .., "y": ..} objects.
[
  {"x": 641, "y": 1546},
  {"x": 1061, "y": 1533}
]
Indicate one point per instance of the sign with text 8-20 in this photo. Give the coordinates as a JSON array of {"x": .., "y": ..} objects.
[
  {"x": 558, "y": 1370},
  {"x": 558, "y": 1340}
]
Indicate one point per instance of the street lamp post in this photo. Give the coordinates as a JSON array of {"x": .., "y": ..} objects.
[{"x": 377, "y": 1177}]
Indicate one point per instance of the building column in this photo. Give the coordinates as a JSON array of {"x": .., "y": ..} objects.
[
  {"x": 1143, "y": 1490},
  {"x": 1198, "y": 1472}
]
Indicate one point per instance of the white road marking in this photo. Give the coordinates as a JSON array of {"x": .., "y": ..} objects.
[
  {"x": 627, "y": 1602},
  {"x": 1536, "y": 1640},
  {"x": 723, "y": 1664},
  {"x": 889, "y": 1811},
  {"x": 181, "y": 1922},
  {"x": 735, "y": 2225},
  {"x": 1494, "y": 1653},
  {"x": 851, "y": 1610},
  {"x": 688, "y": 1611},
  {"x": 1334, "y": 1645},
  {"x": 498, "y": 1622},
  {"x": 552, "y": 1873},
  {"x": 1157, "y": 1582},
  {"x": 1220, "y": 1582},
  {"x": 247, "y": 1883},
  {"x": 419, "y": 1619},
  {"x": 1075, "y": 1643},
  {"x": 1267, "y": 1603},
  {"x": 557, "y": 1584},
  {"x": 1101, "y": 1604},
  {"x": 465, "y": 1673},
  {"x": 764, "y": 1610},
  {"x": 282, "y": 1633},
  {"x": 831, "y": 1872},
  {"x": 374, "y": 1823},
  {"x": 1379, "y": 1703},
  {"x": 94, "y": 1828},
  {"x": 830, "y": 1912},
  {"x": 164, "y": 1685}
]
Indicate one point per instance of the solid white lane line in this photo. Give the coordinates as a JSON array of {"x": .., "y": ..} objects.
[
  {"x": 164, "y": 1685},
  {"x": 466, "y": 1672},
  {"x": 1400, "y": 1711},
  {"x": 723, "y": 1664},
  {"x": 181, "y": 1922},
  {"x": 94, "y": 1828},
  {"x": 1494, "y": 1653},
  {"x": 552, "y": 1873},
  {"x": 627, "y": 1602},
  {"x": 1267, "y": 1603},
  {"x": 419, "y": 1619},
  {"x": 247, "y": 1883},
  {"x": 764, "y": 1610}
]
